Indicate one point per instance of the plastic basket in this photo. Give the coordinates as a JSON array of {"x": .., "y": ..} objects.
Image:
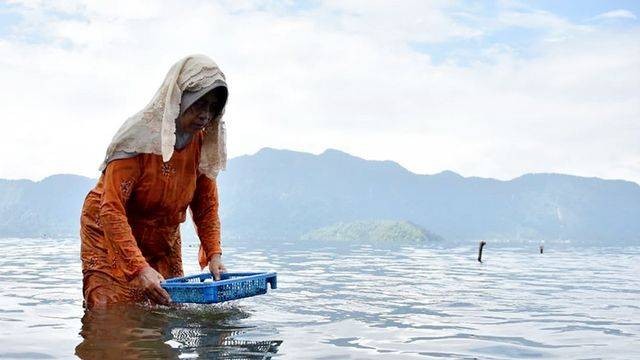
[{"x": 203, "y": 289}]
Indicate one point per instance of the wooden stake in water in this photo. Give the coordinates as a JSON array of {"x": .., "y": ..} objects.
[{"x": 482, "y": 244}]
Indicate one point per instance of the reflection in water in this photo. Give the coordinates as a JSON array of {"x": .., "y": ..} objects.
[{"x": 132, "y": 331}]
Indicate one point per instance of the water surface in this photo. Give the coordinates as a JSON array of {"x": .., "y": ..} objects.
[{"x": 340, "y": 302}]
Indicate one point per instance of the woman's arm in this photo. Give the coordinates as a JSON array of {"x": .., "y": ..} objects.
[
  {"x": 120, "y": 178},
  {"x": 204, "y": 211},
  {"x": 119, "y": 181}
]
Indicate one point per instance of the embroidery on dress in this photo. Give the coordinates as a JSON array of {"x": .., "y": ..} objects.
[
  {"x": 167, "y": 169},
  {"x": 131, "y": 262},
  {"x": 92, "y": 263},
  {"x": 125, "y": 187}
]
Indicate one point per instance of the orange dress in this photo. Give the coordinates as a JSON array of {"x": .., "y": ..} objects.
[{"x": 131, "y": 219}]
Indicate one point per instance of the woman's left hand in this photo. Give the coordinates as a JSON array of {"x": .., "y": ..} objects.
[{"x": 216, "y": 266}]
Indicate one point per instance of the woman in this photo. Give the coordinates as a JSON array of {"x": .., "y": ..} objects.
[{"x": 163, "y": 160}]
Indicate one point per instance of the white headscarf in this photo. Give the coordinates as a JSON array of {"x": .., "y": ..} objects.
[{"x": 152, "y": 130}]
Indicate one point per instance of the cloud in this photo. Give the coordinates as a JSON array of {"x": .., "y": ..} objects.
[
  {"x": 332, "y": 75},
  {"x": 617, "y": 14}
]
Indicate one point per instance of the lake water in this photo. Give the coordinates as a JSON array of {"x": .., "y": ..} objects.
[{"x": 347, "y": 302}]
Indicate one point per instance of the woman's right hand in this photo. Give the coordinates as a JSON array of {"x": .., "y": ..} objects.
[{"x": 150, "y": 280}]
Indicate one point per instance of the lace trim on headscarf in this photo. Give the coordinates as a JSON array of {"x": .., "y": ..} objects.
[{"x": 153, "y": 130}]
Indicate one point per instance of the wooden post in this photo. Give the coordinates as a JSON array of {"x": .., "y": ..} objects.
[{"x": 482, "y": 244}]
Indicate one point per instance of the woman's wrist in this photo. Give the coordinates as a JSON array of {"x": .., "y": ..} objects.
[
  {"x": 139, "y": 270},
  {"x": 217, "y": 255}
]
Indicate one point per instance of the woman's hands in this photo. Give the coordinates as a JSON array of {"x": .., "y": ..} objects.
[
  {"x": 150, "y": 282},
  {"x": 216, "y": 266},
  {"x": 150, "y": 279}
]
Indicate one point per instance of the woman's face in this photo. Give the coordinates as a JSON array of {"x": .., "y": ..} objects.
[{"x": 199, "y": 114}]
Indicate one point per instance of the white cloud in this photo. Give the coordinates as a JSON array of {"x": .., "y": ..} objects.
[
  {"x": 617, "y": 14},
  {"x": 340, "y": 75}
]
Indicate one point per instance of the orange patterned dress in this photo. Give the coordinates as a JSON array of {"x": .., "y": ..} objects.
[{"x": 131, "y": 219}]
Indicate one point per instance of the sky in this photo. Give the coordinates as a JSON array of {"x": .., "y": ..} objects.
[{"x": 483, "y": 88}]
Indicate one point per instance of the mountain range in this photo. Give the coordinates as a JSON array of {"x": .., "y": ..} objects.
[{"x": 282, "y": 194}]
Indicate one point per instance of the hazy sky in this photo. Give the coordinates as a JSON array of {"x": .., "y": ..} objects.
[{"x": 483, "y": 88}]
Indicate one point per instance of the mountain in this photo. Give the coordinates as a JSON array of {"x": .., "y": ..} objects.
[
  {"x": 286, "y": 193},
  {"x": 50, "y": 207},
  {"x": 281, "y": 194}
]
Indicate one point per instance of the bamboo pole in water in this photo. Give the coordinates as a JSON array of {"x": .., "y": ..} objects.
[{"x": 482, "y": 244}]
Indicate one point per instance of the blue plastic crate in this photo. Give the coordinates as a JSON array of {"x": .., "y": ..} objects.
[{"x": 203, "y": 289}]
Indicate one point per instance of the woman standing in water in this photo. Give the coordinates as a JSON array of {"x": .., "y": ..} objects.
[{"x": 163, "y": 160}]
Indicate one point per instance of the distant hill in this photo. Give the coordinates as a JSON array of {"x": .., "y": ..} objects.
[
  {"x": 390, "y": 231},
  {"x": 50, "y": 207},
  {"x": 286, "y": 193},
  {"x": 281, "y": 194}
]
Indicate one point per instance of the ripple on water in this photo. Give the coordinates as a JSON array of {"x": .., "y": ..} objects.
[{"x": 354, "y": 301}]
